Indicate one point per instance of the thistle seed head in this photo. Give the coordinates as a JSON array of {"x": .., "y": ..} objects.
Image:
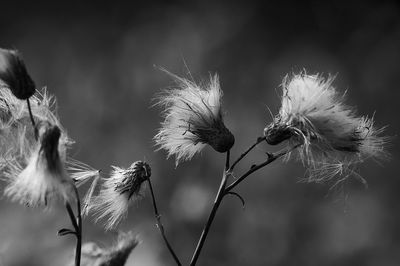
[
  {"x": 334, "y": 139},
  {"x": 193, "y": 119},
  {"x": 123, "y": 187}
]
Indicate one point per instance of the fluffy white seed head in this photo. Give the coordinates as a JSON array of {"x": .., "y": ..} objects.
[
  {"x": 44, "y": 177},
  {"x": 193, "y": 118},
  {"x": 334, "y": 139},
  {"x": 118, "y": 191}
]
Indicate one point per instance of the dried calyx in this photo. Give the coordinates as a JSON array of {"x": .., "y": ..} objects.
[
  {"x": 14, "y": 74},
  {"x": 49, "y": 138},
  {"x": 133, "y": 177}
]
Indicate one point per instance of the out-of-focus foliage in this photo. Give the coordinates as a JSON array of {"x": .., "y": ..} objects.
[{"x": 98, "y": 60}]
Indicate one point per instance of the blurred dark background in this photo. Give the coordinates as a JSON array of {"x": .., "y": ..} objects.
[{"x": 98, "y": 60}]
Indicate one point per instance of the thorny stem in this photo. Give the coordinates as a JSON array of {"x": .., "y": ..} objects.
[
  {"x": 32, "y": 119},
  {"x": 259, "y": 140},
  {"x": 77, "y": 224},
  {"x": 217, "y": 202},
  {"x": 160, "y": 225}
]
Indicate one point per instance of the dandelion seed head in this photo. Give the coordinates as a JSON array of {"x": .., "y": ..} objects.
[
  {"x": 14, "y": 74},
  {"x": 118, "y": 191},
  {"x": 192, "y": 119},
  {"x": 334, "y": 139}
]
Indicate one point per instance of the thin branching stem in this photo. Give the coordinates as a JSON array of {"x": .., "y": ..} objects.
[
  {"x": 77, "y": 224},
  {"x": 226, "y": 190},
  {"x": 32, "y": 119},
  {"x": 271, "y": 157},
  {"x": 160, "y": 225},
  {"x": 71, "y": 215},
  {"x": 217, "y": 202},
  {"x": 259, "y": 140}
]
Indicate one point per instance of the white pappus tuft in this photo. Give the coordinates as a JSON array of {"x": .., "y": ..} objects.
[
  {"x": 118, "y": 191},
  {"x": 44, "y": 178},
  {"x": 193, "y": 118},
  {"x": 334, "y": 139},
  {"x": 82, "y": 173}
]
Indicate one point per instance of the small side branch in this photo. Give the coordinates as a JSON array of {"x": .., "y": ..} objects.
[
  {"x": 160, "y": 225},
  {"x": 32, "y": 119},
  {"x": 259, "y": 140},
  {"x": 271, "y": 157},
  {"x": 238, "y": 196}
]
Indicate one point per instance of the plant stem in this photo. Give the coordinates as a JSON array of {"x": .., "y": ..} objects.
[
  {"x": 217, "y": 203},
  {"x": 271, "y": 158},
  {"x": 79, "y": 233},
  {"x": 77, "y": 224},
  {"x": 259, "y": 140},
  {"x": 160, "y": 225},
  {"x": 32, "y": 119}
]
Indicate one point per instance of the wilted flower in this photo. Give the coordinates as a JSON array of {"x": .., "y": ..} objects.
[
  {"x": 193, "y": 118},
  {"x": 334, "y": 139},
  {"x": 116, "y": 255},
  {"x": 117, "y": 191},
  {"x": 44, "y": 177},
  {"x": 14, "y": 74}
]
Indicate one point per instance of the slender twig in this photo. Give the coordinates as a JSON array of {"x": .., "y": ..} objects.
[
  {"x": 77, "y": 224},
  {"x": 259, "y": 140},
  {"x": 253, "y": 168},
  {"x": 217, "y": 202},
  {"x": 32, "y": 119},
  {"x": 160, "y": 225},
  {"x": 79, "y": 232},
  {"x": 71, "y": 215}
]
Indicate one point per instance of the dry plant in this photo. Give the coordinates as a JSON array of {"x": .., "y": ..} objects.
[{"x": 326, "y": 135}]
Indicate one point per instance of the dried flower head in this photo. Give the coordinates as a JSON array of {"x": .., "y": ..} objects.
[
  {"x": 116, "y": 255},
  {"x": 44, "y": 177},
  {"x": 14, "y": 74},
  {"x": 193, "y": 118},
  {"x": 334, "y": 139},
  {"x": 122, "y": 187}
]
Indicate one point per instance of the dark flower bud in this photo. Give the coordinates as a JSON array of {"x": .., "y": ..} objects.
[{"x": 14, "y": 74}]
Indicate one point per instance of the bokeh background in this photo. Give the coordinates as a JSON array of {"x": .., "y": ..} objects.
[{"x": 100, "y": 60}]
